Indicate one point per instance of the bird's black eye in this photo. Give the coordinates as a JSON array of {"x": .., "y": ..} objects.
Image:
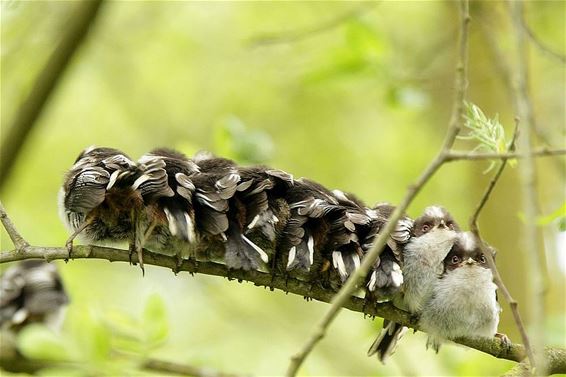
[
  {"x": 425, "y": 228},
  {"x": 450, "y": 225},
  {"x": 455, "y": 259},
  {"x": 482, "y": 259}
]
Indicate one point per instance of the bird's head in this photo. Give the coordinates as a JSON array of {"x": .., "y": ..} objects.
[
  {"x": 434, "y": 218},
  {"x": 466, "y": 252}
]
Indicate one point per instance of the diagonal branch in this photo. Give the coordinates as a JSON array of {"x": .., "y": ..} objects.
[
  {"x": 541, "y": 152},
  {"x": 487, "y": 253},
  {"x": 19, "y": 242},
  {"x": 75, "y": 33},
  {"x": 353, "y": 281},
  {"x": 540, "y": 44},
  {"x": 307, "y": 32}
]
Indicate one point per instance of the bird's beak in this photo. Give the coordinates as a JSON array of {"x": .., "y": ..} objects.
[
  {"x": 442, "y": 224},
  {"x": 470, "y": 261}
]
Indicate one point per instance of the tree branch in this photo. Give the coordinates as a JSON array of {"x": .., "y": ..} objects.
[
  {"x": 353, "y": 281},
  {"x": 528, "y": 173},
  {"x": 499, "y": 60},
  {"x": 19, "y": 242},
  {"x": 556, "y": 356},
  {"x": 30, "y": 110},
  {"x": 168, "y": 367},
  {"x": 307, "y": 32},
  {"x": 17, "y": 363},
  {"x": 541, "y": 152},
  {"x": 515, "y": 352},
  {"x": 538, "y": 43},
  {"x": 487, "y": 253}
]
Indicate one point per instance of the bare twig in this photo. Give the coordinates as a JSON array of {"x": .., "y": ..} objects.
[
  {"x": 493, "y": 182},
  {"x": 527, "y": 170},
  {"x": 168, "y": 367},
  {"x": 453, "y": 129},
  {"x": 310, "y": 31},
  {"x": 19, "y": 242},
  {"x": 538, "y": 43},
  {"x": 500, "y": 61},
  {"x": 542, "y": 152},
  {"x": 16, "y": 363},
  {"x": 50, "y": 76},
  {"x": 487, "y": 253}
]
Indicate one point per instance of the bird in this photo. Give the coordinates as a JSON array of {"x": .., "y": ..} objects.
[
  {"x": 386, "y": 277},
  {"x": 214, "y": 200},
  {"x": 101, "y": 199},
  {"x": 430, "y": 238},
  {"x": 463, "y": 301},
  {"x": 169, "y": 202},
  {"x": 433, "y": 235},
  {"x": 31, "y": 292}
]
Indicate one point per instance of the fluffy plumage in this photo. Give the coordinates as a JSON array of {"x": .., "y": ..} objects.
[
  {"x": 421, "y": 253},
  {"x": 31, "y": 292},
  {"x": 100, "y": 202},
  {"x": 463, "y": 299}
]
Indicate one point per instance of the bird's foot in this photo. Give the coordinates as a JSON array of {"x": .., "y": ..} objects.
[
  {"x": 504, "y": 339},
  {"x": 69, "y": 246}
]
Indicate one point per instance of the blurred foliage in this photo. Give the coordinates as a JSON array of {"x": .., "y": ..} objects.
[
  {"x": 98, "y": 343},
  {"x": 361, "y": 105}
]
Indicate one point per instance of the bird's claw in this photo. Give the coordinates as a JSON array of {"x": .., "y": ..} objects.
[
  {"x": 69, "y": 246},
  {"x": 504, "y": 339}
]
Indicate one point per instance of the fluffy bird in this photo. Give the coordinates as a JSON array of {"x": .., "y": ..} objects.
[
  {"x": 31, "y": 292},
  {"x": 169, "y": 202},
  {"x": 462, "y": 300},
  {"x": 101, "y": 199},
  {"x": 431, "y": 238}
]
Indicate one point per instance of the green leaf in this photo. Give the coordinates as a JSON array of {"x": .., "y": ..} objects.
[
  {"x": 38, "y": 342},
  {"x": 155, "y": 320},
  {"x": 558, "y": 213},
  {"x": 489, "y": 133}
]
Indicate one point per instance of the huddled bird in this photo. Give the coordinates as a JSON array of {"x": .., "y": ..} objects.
[
  {"x": 462, "y": 300},
  {"x": 431, "y": 238},
  {"x": 31, "y": 292},
  {"x": 102, "y": 198}
]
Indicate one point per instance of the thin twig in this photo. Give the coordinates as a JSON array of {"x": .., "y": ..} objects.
[
  {"x": 168, "y": 367},
  {"x": 353, "y": 281},
  {"x": 538, "y": 43},
  {"x": 527, "y": 170},
  {"x": 310, "y": 31},
  {"x": 17, "y": 363},
  {"x": 19, "y": 242},
  {"x": 495, "y": 179},
  {"x": 500, "y": 61},
  {"x": 542, "y": 152},
  {"x": 30, "y": 110},
  {"x": 487, "y": 253}
]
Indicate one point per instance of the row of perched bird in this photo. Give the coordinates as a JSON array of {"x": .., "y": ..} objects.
[{"x": 263, "y": 219}]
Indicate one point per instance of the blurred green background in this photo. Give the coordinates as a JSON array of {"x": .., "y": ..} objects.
[{"x": 356, "y": 96}]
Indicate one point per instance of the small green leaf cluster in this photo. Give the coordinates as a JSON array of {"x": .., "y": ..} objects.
[{"x": 488, "y": 132}]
